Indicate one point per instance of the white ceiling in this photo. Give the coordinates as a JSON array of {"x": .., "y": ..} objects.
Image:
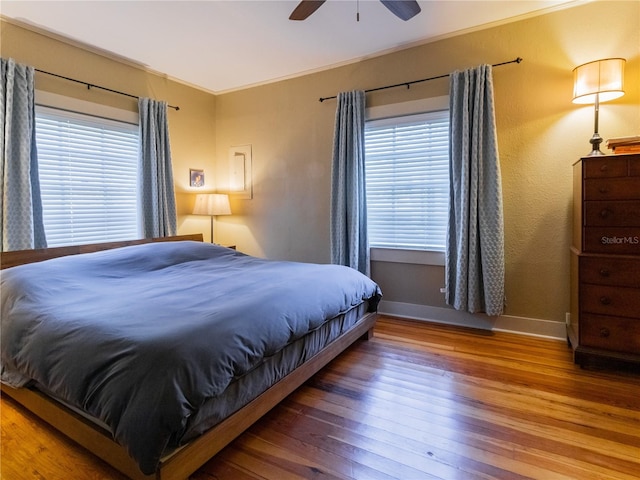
[{"x": 221, "y": 46}]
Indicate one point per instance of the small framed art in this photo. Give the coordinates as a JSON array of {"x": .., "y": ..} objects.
[{"x": 196, "y": 178}]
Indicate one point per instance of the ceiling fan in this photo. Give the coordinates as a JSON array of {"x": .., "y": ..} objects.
[{"x": 403, "y": 9}]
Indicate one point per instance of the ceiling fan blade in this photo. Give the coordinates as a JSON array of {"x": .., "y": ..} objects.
[
  {"x": 403, "y": 9},
  {"x": 305, "y": 8}
]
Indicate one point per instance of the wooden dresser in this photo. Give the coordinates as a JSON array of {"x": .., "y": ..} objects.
[{"x": 604, "y": 327}]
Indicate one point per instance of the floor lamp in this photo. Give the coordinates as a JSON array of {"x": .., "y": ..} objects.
[
  {"x": 212, "y": 204},
  {"x": 596, "y": 82}
]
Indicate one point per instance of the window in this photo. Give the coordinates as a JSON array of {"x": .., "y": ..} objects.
[
  {"x": 407, "y": 173},
  {"x": 88, "y": 177}
]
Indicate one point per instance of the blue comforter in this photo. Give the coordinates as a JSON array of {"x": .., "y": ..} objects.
[{"x": 141, "y": 336}]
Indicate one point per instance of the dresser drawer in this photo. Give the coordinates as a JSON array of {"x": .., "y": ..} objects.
[
  {"x": 608, "y": 213},
  {"x": 634, "y": 166},
  {"x": 618, "y": 240},
  {"x": 609, "y": 300},
  {"x": 603, "y": 167},
  {"x": 624, "y": 272},
  {"x": 610, "y": 333},
  {"x": 625, "y": 188}
]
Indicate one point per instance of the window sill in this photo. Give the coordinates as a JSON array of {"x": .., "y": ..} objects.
[{"x": 416, "y": 257}]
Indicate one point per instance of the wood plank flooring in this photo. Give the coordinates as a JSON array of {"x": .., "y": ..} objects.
[{"x": 417, "y": 401}]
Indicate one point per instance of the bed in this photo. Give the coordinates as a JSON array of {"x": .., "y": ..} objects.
[{"x": 155, "y": 354}]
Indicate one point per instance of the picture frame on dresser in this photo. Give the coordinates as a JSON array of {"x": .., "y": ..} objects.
[{"x": 604, "y": 327}]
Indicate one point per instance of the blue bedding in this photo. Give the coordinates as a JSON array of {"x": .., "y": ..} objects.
[{"x": 140, "y": 337}]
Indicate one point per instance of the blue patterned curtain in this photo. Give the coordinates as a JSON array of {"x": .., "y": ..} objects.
[
  {"x": 475, "y": 236},
  {"x": 349, "y": 241},
  {"x": 158, "y": 203},
  {"x": 21, "y": 224}
]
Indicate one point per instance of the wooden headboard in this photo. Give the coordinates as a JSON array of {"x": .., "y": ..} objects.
[{"x": 20, "y": 257}]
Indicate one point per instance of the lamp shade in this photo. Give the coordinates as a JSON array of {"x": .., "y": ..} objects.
[
  {"x": 212, "y": 204},
  {"x": 600, "y": 80}
]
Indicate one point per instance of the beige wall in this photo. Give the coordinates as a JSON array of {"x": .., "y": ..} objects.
[
  {"x": 541, "y": 133},
  {"x": 192, "y": 128}
]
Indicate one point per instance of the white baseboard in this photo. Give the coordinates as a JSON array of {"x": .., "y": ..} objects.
[{"x": 504, "y": 323}]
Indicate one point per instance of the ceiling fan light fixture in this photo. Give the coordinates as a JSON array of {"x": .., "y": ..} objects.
[{"x": 403, "y": 9}]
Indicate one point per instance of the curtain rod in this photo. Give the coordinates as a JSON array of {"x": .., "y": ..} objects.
[
  {"x": 408, "y": 84},
  {"x": 91, "y": 85}
]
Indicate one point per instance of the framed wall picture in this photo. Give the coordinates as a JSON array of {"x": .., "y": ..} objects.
[{"x": 196, "y": 178}]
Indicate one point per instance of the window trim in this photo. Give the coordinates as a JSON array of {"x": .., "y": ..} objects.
[
  {"x": 423, "y": 105},
  {"x": 399, "y": 255},
  {"x": 70, "y": 104}
]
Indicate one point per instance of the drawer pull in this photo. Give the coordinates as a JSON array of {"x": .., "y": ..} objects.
[
  {"x": 604, "y": 332},
  {"x": 605, "y": 212},
  {"x": 605, "y": 300},
  {"x": 603, "y": 190},
  {"x": 604, "y": 272},
  {"x": 604, "y": 167}
]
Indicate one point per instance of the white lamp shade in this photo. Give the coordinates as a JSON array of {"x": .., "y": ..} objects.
[
  {"x": 602, "y": 78},
  {"x": 212, "y": 204}
]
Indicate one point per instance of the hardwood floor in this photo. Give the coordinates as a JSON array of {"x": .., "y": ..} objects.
[{"x": 417, "y": 401}]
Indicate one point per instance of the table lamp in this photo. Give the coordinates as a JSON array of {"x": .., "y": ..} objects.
[
  {"x": 595, "y": 82},
  {"x": 212, "y": 204}
]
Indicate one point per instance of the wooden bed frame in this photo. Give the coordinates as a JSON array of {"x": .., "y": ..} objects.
[{"x": 192, "y": 456}]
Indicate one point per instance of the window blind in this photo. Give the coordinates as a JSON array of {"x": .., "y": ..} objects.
[
  {"x": 88, "y": 177},
  {"x": 407, "y": 179}
]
